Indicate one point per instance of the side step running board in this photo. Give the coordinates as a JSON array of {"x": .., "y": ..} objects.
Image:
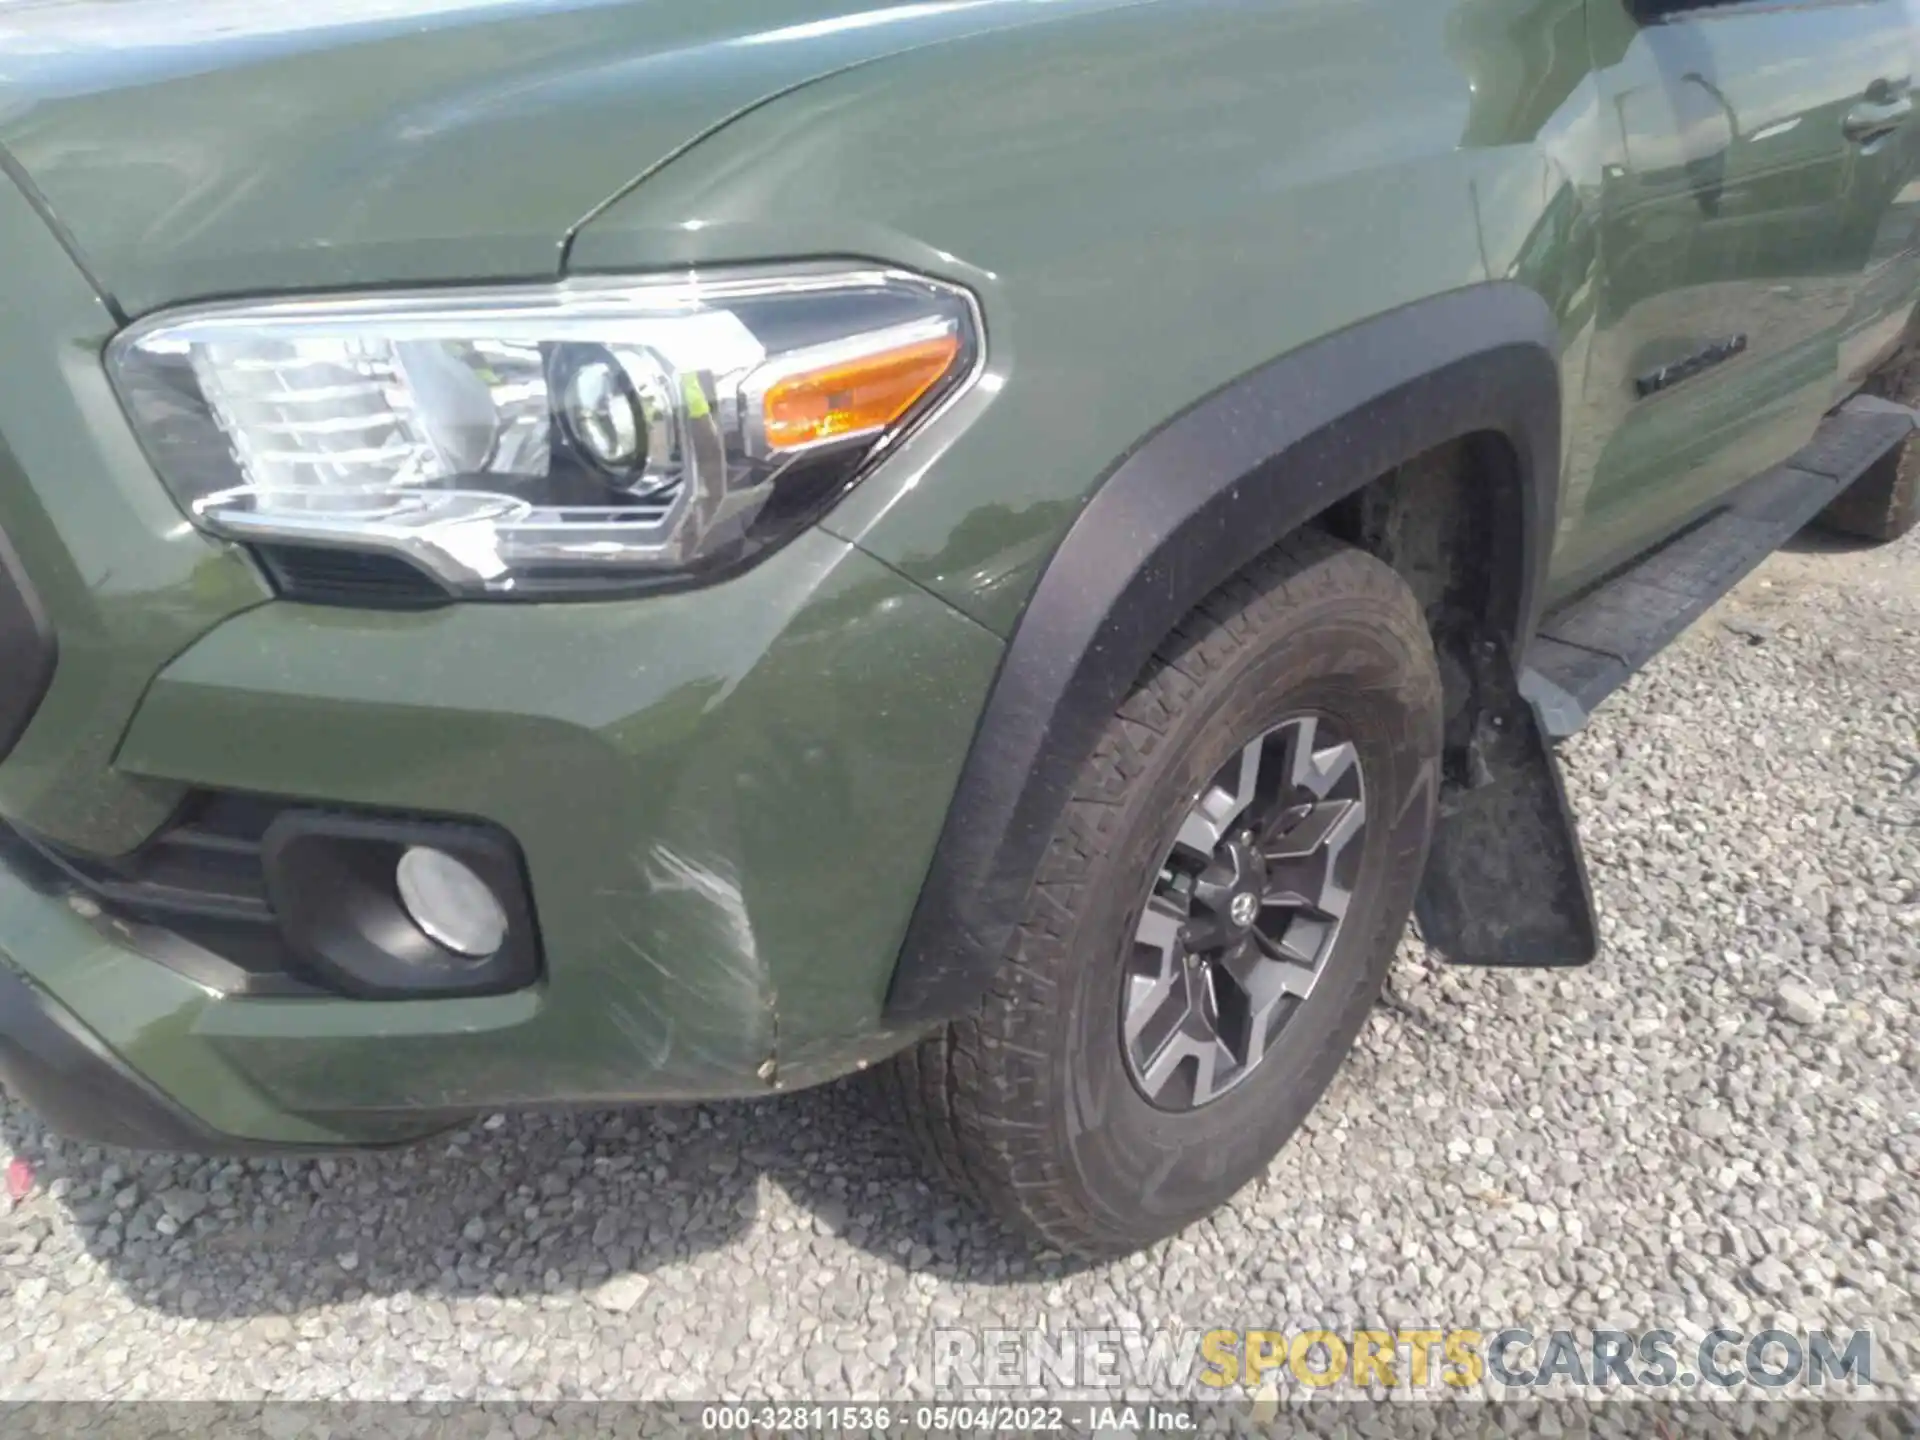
[{"x": 1590, "y": 647}]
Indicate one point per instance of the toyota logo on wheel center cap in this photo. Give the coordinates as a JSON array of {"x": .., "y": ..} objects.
[{"x": 1244, "y": 909}]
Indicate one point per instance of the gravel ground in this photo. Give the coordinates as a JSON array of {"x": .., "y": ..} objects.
[{"x": 1718, "y": 1123}]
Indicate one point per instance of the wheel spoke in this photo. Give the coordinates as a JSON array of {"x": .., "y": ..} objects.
[
  {"x": 1155, "y": 1008},
  {"x": 1317, "y": 771},
  {"x": 1206, "y": 931},
  {"x": 1352, "y": 821},
  {"x": 1246, "y": 960},
  {"x": 1282, "y": 823},
  {"x": 1303, "y": 865},
  {"x": 1154, "y": 992},
  {"x": 1333, "y": 900},
  {"x": 1325, "y": 824},
  {"x": 1282, "y": 970},
  {"x": 1265, "y": 979},
  {"x": 1223, "y": 802},
  {"x": 1179, "y": 1047},
  {"x": 1160, "y": 923},
  {"x": 1294, "y": 882},
  {"x": 1217, "y": 1062},
  {"x": 1248, "y": 906},
  {"x": 1305, "y": 940}
]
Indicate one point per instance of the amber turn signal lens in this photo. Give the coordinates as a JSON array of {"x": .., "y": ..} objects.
[{"x": 857, "y": 396}]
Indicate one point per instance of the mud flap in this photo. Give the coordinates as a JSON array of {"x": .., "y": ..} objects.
[{"x": 1506, "y": 882}]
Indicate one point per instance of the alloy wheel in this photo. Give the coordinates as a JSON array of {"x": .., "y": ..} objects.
[{"x": 1246, "y": 908}]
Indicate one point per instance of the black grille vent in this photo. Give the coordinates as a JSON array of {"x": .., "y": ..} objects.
[
  {"x": 323, "y": 576},
  {"x": 193, "y": 898}
]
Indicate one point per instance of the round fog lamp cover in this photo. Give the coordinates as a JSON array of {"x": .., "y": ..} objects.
[{"x": 454, "y": 906}]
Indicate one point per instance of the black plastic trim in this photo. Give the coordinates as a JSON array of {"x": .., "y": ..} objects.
[
  {"x": 227, "y": 949},
  {"x": 331, "y": 881},
  {"x": 249, "y": 895},
  {"x": 1191, "y": 506},
  {"x": 325, "y": 575},
  {"x": 28, "y": 650},
  {"x": 81, "y": 1089}
]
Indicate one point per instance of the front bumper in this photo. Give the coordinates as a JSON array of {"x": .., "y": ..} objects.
[
  {"x": 727, "y": 799},
  {"x": 77, "y": 1085}
]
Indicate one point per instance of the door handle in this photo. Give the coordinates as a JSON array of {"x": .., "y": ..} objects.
[{"x": 1878, "y": 116}]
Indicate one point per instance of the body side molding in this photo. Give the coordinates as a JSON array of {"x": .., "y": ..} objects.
[{"x": 1190, "y": 506}]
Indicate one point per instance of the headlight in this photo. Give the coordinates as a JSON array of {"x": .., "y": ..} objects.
[{"x": 564, "y": 439}]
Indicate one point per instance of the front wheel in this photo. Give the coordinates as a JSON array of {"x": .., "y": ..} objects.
[{"x": 1213, "y": 918}]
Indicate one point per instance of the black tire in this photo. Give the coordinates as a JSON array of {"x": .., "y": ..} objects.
[
  {"x": 1884, "y": 503},
  {"x": 1029, "y": 1102}
]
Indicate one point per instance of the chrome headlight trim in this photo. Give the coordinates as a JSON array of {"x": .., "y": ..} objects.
[{"x": 431, "y": 432}]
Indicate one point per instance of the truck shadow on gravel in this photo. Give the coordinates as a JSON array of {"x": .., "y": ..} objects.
[
  {"x": 1817, "y": 541},
  {"x": 565, "y": 1204}
]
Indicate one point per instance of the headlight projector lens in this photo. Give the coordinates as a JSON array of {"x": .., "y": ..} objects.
[
  {"x": 451, "y": 903},
  {"x": 604, "y": 419}
]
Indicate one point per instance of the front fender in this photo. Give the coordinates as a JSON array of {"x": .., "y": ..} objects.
[
  {"x": 1193, "y": 505},
  {"x": 1152, "y": 202}
]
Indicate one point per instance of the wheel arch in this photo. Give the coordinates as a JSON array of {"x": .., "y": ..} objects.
[{"x": 1188, "y": 507}]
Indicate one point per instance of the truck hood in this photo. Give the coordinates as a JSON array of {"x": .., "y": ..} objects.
[{"x": 198, "y": 148}]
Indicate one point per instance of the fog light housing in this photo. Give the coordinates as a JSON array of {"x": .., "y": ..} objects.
[
  {"x": 450, "y": 903},
  {"x": 401, "y": 909}
]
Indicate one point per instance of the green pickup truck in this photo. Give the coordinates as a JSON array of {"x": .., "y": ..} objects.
[{"x": 585, "y": 552}]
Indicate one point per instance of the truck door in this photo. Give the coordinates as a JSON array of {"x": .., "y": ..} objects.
[
  {"x": 1735, "y": 203},
  {"x": 1887, "y": 152}
]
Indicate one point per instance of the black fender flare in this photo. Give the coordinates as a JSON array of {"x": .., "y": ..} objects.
[{"x": 1185, "y": 510}]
